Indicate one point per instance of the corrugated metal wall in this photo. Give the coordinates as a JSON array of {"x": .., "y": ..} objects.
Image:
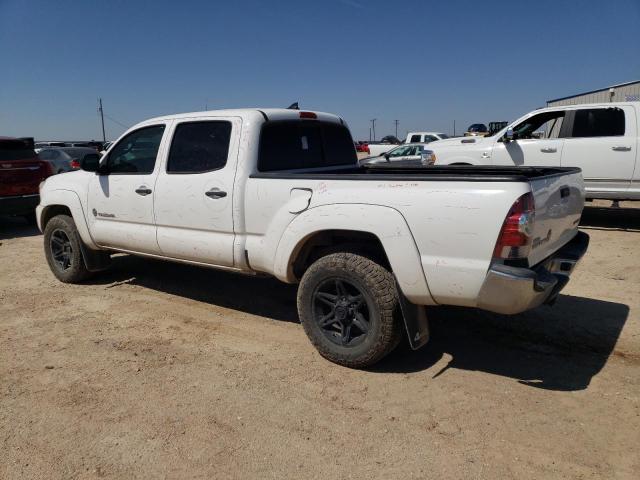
[{"x": 625, "y": 93}]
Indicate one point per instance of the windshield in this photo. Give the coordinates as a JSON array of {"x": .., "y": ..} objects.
[{"x": 443, "y": 136}]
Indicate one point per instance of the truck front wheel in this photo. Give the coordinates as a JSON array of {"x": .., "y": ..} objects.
[
  {"x": 62, "y": 249},
  {"x": 348, "y": 306}
]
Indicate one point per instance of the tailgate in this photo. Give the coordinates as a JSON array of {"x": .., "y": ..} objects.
[
  {"x": 21, "y": 177},
  {"x": 559, "y": 200}
]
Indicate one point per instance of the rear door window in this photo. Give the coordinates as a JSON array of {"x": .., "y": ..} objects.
[
  {"x": 598, "y": 122},
  {"x": 288, "y": 145},
  {"x": 199, "y": 147}
]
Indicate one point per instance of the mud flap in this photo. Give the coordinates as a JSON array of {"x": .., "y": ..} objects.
[
  {"x": 95, "y": 261},
  {"x": 415, "y": 321}
]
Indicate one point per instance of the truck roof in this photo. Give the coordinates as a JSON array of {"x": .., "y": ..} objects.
[
  {"x": 266, "y": 113},
  {"x": 587, "y": 105}
]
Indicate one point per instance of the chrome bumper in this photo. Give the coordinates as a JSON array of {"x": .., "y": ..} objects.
[{"x": 511, "y": 290}]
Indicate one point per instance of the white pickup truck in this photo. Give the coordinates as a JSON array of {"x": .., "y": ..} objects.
[
  {"x": 279, "y": 192},
  {"x": 602, "y": 139}
]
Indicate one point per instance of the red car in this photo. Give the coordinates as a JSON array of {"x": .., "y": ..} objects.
[
  {"x": 21, "y": 172},
  {"x": 362, "y": 147}
]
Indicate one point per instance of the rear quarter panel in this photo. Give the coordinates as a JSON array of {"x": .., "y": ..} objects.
[{"x": 451, "y": 226}]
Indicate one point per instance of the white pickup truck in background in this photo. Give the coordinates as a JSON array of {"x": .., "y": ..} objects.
[
  {"x": 279, "y": 192},
  {"x": 601, "y": 139},
  {"x": 425, "y": 137}
]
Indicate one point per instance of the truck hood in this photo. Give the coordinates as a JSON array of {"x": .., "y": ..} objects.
[{"x": 460, "y": 142}]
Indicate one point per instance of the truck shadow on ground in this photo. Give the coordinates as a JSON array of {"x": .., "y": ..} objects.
[
  {"x": 557, "y": 348},
  {"x": 14, "y": 227},
  {"x": 611, "y": 218}
]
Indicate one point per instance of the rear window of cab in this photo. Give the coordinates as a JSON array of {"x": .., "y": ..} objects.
[
  {"x": 296, "y": 144},
  {"x": 16, "y": 150}
]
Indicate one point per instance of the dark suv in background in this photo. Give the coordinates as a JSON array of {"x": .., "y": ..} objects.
[{"x": 21, "y": 172}]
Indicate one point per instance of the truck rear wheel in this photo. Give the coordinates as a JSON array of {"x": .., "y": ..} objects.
[
  {"x": 63, "y": 251},
  {"x": 348, "y": 306}
]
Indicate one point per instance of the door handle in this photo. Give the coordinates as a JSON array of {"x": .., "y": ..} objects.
[
  {"x": 620, "y": 148},
  {"x": 142, "y": 190},
  {"x": 215, "y": 193},
  {"x": 549, "y": 150}
]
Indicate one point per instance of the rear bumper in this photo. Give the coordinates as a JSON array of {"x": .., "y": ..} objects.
[
  {"x": 19, "y": 205},
  {"x": 511, "y": 290}
]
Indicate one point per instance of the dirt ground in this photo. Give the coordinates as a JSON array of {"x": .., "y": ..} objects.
[{"x": 160, "y": 370}]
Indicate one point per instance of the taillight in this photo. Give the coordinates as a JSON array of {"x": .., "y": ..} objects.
[
  {"x": 308, "y": 115},
  {"x": 514, "y": 240},
  {"x": 366, "y": 149},
  {"x": 75, "y": 163}
]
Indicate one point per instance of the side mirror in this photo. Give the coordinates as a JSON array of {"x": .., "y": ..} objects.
[
  {"x": 386, "y": 155},
  {"x": 90, "y": 162},
  {"x": 509, "y": 135}
]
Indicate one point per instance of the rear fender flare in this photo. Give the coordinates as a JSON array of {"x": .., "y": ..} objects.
[{"x": 386, "y": 223}]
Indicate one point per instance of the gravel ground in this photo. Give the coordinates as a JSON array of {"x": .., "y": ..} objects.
[{"x": 160, "y": 370}]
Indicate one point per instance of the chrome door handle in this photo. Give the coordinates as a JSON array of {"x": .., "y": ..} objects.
[
  {"x": 620, "y": 148},
  {"x": 215, "y": 193},
  {"x": 549, "y": 150},
  {"x": 142, "y": 190}
]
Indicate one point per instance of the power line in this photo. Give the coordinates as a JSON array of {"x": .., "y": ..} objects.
[{"x": 115, "y": 121}]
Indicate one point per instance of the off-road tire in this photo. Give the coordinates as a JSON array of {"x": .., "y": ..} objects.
[
  {"x": 377, "y": 286},
  {"x": 76, "y": 271}
]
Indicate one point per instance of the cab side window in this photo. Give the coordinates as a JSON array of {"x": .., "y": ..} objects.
[
  {"x": 414, "y": 139},
  {"x": 598, "y": 122},
  {"x": 136, "y": 153},
  {"x": 199, "y": 147}
]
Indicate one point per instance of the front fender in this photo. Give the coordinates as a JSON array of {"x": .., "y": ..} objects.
[
  {"x": 71, "y": 200},
  {"x": 385, "y": 223}
]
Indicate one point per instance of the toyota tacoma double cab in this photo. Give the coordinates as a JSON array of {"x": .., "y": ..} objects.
[{"x": 280, "y": 192}]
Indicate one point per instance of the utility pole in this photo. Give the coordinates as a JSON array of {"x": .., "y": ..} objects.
[
  {"x": 369, "y": 133},
  {"x": 454, "y": 128},
  {"x": 373, "y": 125},
  {"x": 104, "y": 137},
  {"x": 396, "y": 122}
]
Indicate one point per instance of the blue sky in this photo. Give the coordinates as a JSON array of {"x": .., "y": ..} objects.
[{"x": 424, "y": 63}]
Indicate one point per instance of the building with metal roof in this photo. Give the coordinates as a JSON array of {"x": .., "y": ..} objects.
[{"x": 623, "y": 92}]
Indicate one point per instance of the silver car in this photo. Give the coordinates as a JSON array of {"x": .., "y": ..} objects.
[
  {"x": 65, "y": 159},
  {"x": 417, "y": 153}
]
